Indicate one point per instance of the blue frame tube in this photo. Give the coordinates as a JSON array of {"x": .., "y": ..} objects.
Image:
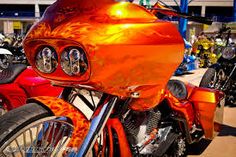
[
  {"x": 183, "y": 22},
  {"x": 234, "y": 10}
]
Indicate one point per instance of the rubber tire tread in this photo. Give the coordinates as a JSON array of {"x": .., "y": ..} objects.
[
  {"x": 16, "y": 119},
  {"x": 206, "y": 79}
]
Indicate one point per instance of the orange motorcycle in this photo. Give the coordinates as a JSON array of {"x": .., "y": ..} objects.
[{"x": 114, "y": 60}]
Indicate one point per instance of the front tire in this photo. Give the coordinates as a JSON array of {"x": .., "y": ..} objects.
[
  {"x": 209, "y": 78},
  {"x": 213, "y": 78},
  {"x": 32, "y": 129}
]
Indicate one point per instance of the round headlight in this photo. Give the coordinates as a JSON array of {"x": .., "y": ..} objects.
[
  {"x": 74, "y": 61},
  {"x": 228, "y": 52},
  {"x": 46, "y": 60}
]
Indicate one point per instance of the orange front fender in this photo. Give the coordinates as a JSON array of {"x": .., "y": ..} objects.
[{"x": 60, "y": 108}]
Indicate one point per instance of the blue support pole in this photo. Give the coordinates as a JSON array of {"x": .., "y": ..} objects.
[
  {"x": 234, "y": 10},
  {"x": 183, "y": 22}
]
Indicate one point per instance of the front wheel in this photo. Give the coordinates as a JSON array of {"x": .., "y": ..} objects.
[
  {"x": 213, "y": 78},
  {"x": 5, "y": 61},
  {"x": 32, "y": 130}
]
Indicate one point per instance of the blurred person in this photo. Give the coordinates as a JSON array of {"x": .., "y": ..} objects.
[{"x": 148, "y": 5}]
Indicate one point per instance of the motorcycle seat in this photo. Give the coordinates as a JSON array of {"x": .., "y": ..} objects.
[
  {"x": 178, "y": 89},
  {"x": 10, "y": 74}
]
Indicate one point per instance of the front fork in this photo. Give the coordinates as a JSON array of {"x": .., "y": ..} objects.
[
  {"x": 85, "y": 133},
  {"x": 97, "y": 125},
  {"x": 232, "y": 75}
]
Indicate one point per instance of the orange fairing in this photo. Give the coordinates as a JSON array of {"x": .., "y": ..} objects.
[
  {"x": 151, "y": 99},
  {"x": 128, "y": 49},
  {"x": 209, "y": 109},
  {"x": 61, "y": 108}
]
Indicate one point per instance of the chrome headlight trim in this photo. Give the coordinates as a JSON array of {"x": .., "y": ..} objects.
[
  {"x": 46, "y": 59},
  {"x": 74, "y": 61},
  {"x": 229, "y": 52}
]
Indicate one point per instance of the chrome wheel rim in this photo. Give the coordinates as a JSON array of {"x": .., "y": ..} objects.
[
  {"x": 45, "y": 137},
  {"x": 217, "y": 80},
  {"x": 4, "y": 63}
]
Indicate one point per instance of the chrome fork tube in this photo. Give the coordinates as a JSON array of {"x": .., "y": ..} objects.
[
  {"x": 96, "y": 127},
  {"x": 231, "y": 75}
]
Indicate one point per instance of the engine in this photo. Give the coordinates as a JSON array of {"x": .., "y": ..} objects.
[{"x": 141, "y": 130}]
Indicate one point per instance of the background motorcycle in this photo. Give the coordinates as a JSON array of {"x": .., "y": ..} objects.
[
  {"x": 205, "y": 53},
  {"x": 14, "y": 46},
  {"x": 222, "y": 75},
  {"x": 5, "y": 58},
  {"x": 17, "y": 83},
  {"x": 221, "y": 40},
  {"x": 115, "y": 101}
]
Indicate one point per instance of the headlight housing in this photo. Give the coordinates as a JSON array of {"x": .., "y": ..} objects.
[
  {"x": 228, "y": 52},
  {"x": 46, "y": 59},
  {"x": 74, "y": 61}
]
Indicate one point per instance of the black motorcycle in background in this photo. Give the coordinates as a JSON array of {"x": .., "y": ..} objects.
[
  {"x": 11, "y": 51},
  {"x": 222, "y": 75}
]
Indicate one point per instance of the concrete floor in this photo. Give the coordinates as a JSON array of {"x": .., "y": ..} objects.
[{"x": 224, "y": 145}]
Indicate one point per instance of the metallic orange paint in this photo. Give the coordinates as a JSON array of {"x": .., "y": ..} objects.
[
  {"x": 128, "y": 48},
  {"x": 130, "y": 52},
  {"x": 144, "y": 104},
  {"x": 203, "y": 107},
  {"x": 116, "y": 125},
  {"x": 61, "y": 108},
  {"x": 208, "y": 109},
  {"x": 184, "y": 108}
]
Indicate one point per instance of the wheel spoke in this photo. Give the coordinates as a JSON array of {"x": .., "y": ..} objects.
[
  {"x": 60, "y": 142},
  {"x": 31, "y": 136},
  {"x": 48, "y": 131},
  {"x": 57, "y": 136},
  {"x": 24, "y": 141},
  {"x": 19, "y": 148},
  {"x": 12, "y": 151},
  {"x": 37, "y": 136},
  {"x": 53, "y": 134},
  {"x": 47, "y": 138}
]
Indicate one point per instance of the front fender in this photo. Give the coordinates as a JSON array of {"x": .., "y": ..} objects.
[
  {"x": 60, "y": 108},
  {"x": 5, "y": 52}
]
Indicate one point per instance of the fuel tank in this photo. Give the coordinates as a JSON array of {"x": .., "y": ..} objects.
[{"x": 129, "y": 51}]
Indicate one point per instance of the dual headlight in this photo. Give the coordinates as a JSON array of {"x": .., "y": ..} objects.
[
  {"x": 73, "y": 60},
  {"x": 229, "y": 52}
]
